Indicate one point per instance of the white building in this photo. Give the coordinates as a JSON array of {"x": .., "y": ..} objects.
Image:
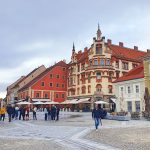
[{"x": 129, "y": 90}]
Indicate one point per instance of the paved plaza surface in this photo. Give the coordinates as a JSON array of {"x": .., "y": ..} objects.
[{"x": 74, "y": 131}]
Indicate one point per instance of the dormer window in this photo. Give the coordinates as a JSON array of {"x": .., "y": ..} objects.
[{"x": 99, "y": 49}]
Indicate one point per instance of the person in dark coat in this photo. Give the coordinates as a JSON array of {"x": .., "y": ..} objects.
[
  {"x": 96, "y": 115},
  {"x": 53, "y": 112},
  {"x": 57, "y": 113},
  {"x": 10, "y": 112}
]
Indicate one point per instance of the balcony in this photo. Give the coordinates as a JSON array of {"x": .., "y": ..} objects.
[{"x": 99, "y": 67}]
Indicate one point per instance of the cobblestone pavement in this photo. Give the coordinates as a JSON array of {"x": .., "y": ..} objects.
[{"x": 73, "y": 131}]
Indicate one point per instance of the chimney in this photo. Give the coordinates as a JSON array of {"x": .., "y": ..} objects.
[
  {"x": 94, "y": 39},
  {"x": 136, "y": 48},
  {"x": 148, "y": 50},
  {"x": 79, "y": 52},
  {"x": 109, "y": 41},
  {"x": 85, "y": 49},
  {"x": 121, "y": 44},
  {"x": 64, "y": 60}
]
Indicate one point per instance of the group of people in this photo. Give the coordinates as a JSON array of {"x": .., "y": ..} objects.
[
  {"x": 22, "y": 112},
  {"x": 52, "y": 114}
]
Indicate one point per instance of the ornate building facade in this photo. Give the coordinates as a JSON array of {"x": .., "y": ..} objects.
[{"x": 91, "y": 72}]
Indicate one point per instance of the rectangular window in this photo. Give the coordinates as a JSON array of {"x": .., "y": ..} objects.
[
  {"x": 108, "y": 62},
  {"x": 129, "y": 104},
  {"x": 117, "y": 64},
  {"x": 129, "y": 89},
  {"x": 51, "y": 76},
  {"x": 57, "y": 85},
  {"x": 90, "y": 62},
  {"x": 102, "y": 63},
  {"x": 45, "y": 95},
  {"x": 89, "y": 78},
  {"x": 51, "y": 84},
  {"x": 64, "y": 69},
  {"x": 95, "y": 62},
  {"x": 63, "y": 95},
  {"x": 137, "y": 106},
  {"x": 42, "y": 83},
  {"x": 125, "y": 65},
  {"x": 63, "y": 85},
  {"x": 78, "y": 68},
  {"x": 57, "y": 96},
  {"x": 57, "y": 76},
  {"x": 37, "y": 95},
  {"x": 137, "y": 89},
  {"x": 63, "y": 77},
  {"x": 82, "y": 67}
]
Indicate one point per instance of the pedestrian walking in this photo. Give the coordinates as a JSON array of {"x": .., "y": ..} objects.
[
  {"x": 96, "y": 115},
  {"x": 49, "y": 113},
  {"x": 34, "y": 113},
  {"x": 2, "y": 113},
  {"x": 57, "y": 113},
  {"x": 27, "y": 113},
  {"x": 46, "y": 113},
  {"x": 53, "y": 112},
  {"x": 10, "y": 112},
  {"x": 16, "y": 112}
]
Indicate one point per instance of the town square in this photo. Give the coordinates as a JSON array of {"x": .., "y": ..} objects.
[{"x": 74, "y": 75}]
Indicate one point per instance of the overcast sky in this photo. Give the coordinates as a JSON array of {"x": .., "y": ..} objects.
[{"x": 36, "y": 32}]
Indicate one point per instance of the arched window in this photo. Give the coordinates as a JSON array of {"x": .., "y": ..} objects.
[
  {"x": 98, "y": 49},
  {"x": 109, "y": 88},
  {"x": 83, "y": 90},
  {"x": 98, "y": 75},
  {"x": 89, "y": 89},
  {"x": 98, "y": 88}
]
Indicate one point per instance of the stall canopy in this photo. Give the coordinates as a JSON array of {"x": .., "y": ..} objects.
[
  {"x": 38, "y": 103},
  {"x": 24, "y": 103},
  {"x": 51, "y": 103},
  {"x": 101, "y": 102},
  {"x": 41, "y": 100},
  {"x": 66, "y": 102},
  {"x": 84, "y": 100},
  {"x": 74, "y": 101}
]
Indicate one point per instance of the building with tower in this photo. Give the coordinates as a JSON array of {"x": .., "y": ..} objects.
[{"x": 92, "y": 71}]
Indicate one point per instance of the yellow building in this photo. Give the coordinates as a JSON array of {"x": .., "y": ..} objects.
[{"x": 147, "y": 71}]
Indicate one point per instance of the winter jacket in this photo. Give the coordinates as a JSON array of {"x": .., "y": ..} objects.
[{"x": 97, "y": 113}]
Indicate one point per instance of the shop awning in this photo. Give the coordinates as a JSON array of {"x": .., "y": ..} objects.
[
  {"x": 41, "y": 100},
  {"x": 66, "y": 102},
  {"x": 84, "y": 100},
  {"x": 74, "y": 101}
]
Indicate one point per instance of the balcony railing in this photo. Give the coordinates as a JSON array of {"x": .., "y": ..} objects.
[{"x": 98, "y": 66}]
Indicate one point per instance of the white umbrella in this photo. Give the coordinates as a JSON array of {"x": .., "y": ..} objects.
[
  {"x": 101, "y": 102},
  {"x": 24, "y": 103},
  {"x": 38, "y": 103}
]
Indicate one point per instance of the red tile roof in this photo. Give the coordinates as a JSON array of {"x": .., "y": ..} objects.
[
  {"x": 126, "y": 53},
  {"x": 135, "y": 73},
  {"x": 60, "y": 63}
]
